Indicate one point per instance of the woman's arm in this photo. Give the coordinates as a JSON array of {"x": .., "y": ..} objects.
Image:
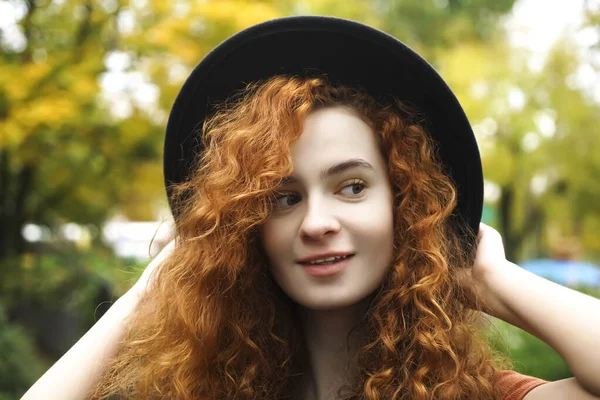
[
  {"x": 565, "y": 319},
  {"x": 78, "y": 370}
]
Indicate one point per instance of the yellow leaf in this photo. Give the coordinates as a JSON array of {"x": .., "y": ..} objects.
[
  {"x": 243, "y": 13},
  {"x": 11, "y": 134},
  {"x": 254, "y": 13},
  {"x": 50, "y": 111},
  {"x": 498, "y": 166},
  {"x": 84, "y": 87}
]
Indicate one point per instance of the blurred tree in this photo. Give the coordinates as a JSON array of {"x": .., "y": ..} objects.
[
  {"x": 536, "y": 131},
  {"x": 431, "y": 26},
  {"x": 573, "y": 200},
  {"x": 19, "y": 365},
  {"x": 427, "y": 26},
  {"x": 62, "y": 156}
]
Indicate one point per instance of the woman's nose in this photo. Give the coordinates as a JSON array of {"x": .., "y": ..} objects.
[{"x": 318, "y": 220}]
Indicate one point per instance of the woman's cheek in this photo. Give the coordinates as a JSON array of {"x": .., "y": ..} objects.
[{"x": 275, "y": 238}]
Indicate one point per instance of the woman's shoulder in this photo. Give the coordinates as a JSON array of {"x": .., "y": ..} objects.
[{"x": 515, "y": 386}]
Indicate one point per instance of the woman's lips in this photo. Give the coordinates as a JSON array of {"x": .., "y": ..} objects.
[{"x": 326, "y": 269}]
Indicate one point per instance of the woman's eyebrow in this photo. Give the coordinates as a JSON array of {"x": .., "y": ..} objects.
[{"x": 335, "y": 169}]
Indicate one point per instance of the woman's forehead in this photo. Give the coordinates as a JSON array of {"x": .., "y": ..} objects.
[
  {"x": 335, "y": 138},
  {"x": 334, "y": 130}
]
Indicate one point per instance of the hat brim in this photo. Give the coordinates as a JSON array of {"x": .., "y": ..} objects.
[{"x": 347, "y": 52}]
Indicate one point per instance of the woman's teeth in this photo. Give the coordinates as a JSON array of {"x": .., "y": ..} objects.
[{"x": 329, "y": 260}]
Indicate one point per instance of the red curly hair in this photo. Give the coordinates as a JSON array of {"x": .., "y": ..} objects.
[{"x": 217, "y": 326}]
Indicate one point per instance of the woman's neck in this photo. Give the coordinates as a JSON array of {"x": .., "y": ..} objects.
[{"x": 331, "y": 351}]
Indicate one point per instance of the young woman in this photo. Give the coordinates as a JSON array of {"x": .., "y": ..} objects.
[{"x": 328, "y": 242}]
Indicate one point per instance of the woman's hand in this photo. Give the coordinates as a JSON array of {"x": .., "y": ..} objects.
[
  {"x": 490, "y": 250},
  {"x": 489, "y": 257},
  {"x": 148, "y": 276}
]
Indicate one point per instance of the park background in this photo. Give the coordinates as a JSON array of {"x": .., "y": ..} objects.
[{"x": 86, "y": 87}]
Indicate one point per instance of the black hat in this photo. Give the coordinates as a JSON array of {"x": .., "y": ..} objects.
[{"x": 347, "y": 52}]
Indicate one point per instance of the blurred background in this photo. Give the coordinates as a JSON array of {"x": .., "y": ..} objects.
[{"x": 85, "y": 92}]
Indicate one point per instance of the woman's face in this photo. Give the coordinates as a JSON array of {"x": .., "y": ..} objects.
[{"x": 323, "y": 210}]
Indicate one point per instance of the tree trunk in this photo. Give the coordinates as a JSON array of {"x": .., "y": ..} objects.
[
  {"x": 5, "y": 205},
  {"x": 510, "y": 238},
  {"x": 13, "y": 208},
  {"x": 24, "y": 187}
]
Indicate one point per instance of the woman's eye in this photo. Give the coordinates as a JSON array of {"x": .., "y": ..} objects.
[
  {"x": 354, "y": 188},
  {"x": 286, "y": 200}
]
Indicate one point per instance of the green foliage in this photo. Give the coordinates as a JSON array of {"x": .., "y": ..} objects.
[
  {"x": 19, "y": 364},
  {"x": 530, "y": 355},
  {"x": 66, "y": 278},
  {"x": 63, "y": 278},
  {"x": 431, "y": 26}
]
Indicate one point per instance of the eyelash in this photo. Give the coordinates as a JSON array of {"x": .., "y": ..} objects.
[{"x": 351, "y": 183}]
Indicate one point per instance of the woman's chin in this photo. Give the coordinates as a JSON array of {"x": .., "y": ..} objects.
[{"x": 327, "y": 303}]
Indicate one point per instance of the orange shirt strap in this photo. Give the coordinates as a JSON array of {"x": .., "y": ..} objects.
[{"x": 515, "y": 385}]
